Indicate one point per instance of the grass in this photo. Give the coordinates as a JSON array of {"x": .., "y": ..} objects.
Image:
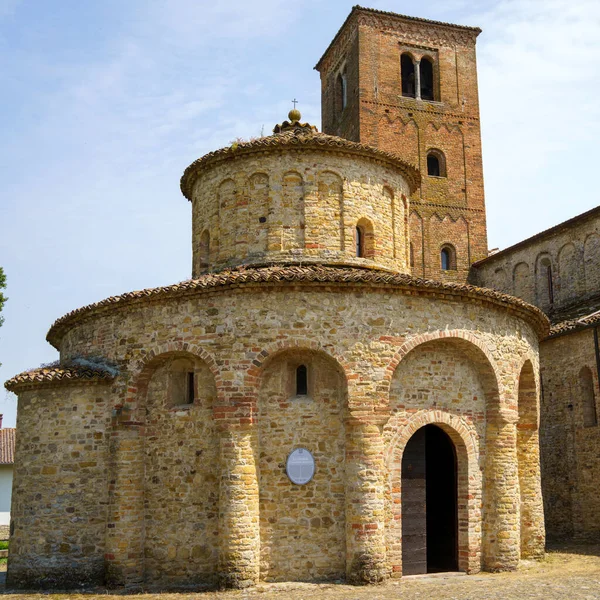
[{"x": 3, "y": 545}]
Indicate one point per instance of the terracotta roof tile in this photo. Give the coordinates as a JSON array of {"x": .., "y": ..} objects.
[
  {"x": 297, "y": 138},
  {"x": 64, "y": 374},
  {"x": 302, "y": 274},
  {"x": 564, "y": 327},
  {"x": 7, "y": 445}
]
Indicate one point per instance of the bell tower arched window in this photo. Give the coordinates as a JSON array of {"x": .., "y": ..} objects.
[
  {"x": 426, "y": 78},
  {"x": 448, "y": 258},
  {"x": 407, "y": 73},
  {"x": 436, "y": 163},
  {"x": 341, "y": 91}
]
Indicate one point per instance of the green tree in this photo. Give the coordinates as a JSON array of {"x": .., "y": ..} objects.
[{"x": 3, "y": 298}]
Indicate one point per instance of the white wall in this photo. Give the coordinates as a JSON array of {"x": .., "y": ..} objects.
[{"x": 6, "y": 475}]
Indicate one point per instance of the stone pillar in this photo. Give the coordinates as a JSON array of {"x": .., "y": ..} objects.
[
  {"x": 533, "y": 536},
  {"x": 365, "y": 500},
  {"x": 125, "y": 525},
  {"x": 501, "y": 540},
  {"x": 239, "y": 527},
  {"x": 418, "y": 79}
]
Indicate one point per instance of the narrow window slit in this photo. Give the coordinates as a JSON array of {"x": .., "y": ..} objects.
[
  {"x": 360, "y": 242},
  {"x": 190, "y": 388},
  {"x": 301, "y": 381}
]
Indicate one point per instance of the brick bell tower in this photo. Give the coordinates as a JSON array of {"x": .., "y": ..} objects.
[{"x": 409, "y": 86}]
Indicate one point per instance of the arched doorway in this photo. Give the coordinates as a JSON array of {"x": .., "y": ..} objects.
[{"x": 429, "y": 503}]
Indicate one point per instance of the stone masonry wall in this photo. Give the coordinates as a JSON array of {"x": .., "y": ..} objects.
[
  {"x": 181, "y": 479},
  {"x": 439, "y": 375},
  {"x": 299, "y": 206},
  {"x": 241, "y": 335},
  {"x": 302, "y": 526},
  {"x": 60, "y": 490},
  {"x": 572, "y": 252},
  {"x": 412, "y": 127},
  {"x": 570, "y": 449}
]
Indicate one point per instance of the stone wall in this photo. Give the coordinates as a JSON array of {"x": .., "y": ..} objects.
[
  {"x": 302, "y": 526},
  {"x": 570, "y": 456},
  {"x": 382, "y": 362},
  {"x": 181, "y": 486},
  {"x": 299, "y": 206},
  {"x": 439, "y": 374},
  {"x": 447, "y": 209},
  {"x": 60, "y": 492},
  {"x": 554, "y": 270}
]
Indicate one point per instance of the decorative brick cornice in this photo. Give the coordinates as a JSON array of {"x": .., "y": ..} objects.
[
  {"x": 298, "y": 139},
  {"x": 438, "y": 32},
  {"x": 306, "y": 275},
  {"x": 52, "y": 375}
]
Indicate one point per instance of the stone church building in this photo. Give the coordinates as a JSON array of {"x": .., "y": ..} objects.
[{"x": 348, "y": 386}]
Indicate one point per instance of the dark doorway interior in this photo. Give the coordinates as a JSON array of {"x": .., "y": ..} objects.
[{"x": 429, "y": 503}]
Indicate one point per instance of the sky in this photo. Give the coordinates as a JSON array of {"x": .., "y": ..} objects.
[{"x": 104, "y": 104}]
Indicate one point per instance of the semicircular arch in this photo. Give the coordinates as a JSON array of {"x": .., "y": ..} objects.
[
  {"x": 143, "y": 370},
  {"x": 464, "y": 437}
]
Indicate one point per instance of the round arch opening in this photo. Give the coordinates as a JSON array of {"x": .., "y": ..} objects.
[{"x": 429, "y": 503}]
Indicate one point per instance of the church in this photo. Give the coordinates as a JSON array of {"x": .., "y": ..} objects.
[{"x": 349, "y": 385}]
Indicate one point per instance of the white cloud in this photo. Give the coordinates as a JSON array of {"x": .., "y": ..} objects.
[{"x": 539, "y": 81}]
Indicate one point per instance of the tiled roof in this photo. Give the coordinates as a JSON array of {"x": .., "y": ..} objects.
[
  {"x": 7, "y": 446},
  {"x": 592, "y": 320},
  {"x": 357, "y": 9},
  {"x": 72, "y": 373},
  {"x": 294, "y": 139},
  {"x": 315, "y": 274}
]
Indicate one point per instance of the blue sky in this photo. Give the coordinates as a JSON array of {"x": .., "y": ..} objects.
[{"x": 105, "y": 103}]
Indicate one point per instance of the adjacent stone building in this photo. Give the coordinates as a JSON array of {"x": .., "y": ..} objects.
[
  {"x": 559, "y": 271},
  {"x": 160, "y": 448}
]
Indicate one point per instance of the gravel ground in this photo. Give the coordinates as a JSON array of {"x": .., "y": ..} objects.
[{"x": 570, "y": 572}]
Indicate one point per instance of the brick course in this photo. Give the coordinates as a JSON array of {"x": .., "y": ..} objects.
[{"x": 444, "y": 210}]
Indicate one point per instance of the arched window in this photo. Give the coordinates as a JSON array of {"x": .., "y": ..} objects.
[
  {"x": 426, "y": 77},
  {"x": 448, "y": 258},
  {"x": 301, "y": 380},
  {"x": 364, "y": 239},
  {"x": 341, "y": 92},
  {"x": 412, "y": 256},
  {"x": 436, "y": 163},
  {"x": 550, "y": 284},
  {"x": 360, "y": 242},
  {"x": 407, "y": 73},
  {"x": 204, "y": 249},
  {"x": 588, "y": 401}
]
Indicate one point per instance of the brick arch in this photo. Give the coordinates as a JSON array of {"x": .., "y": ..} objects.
[
  {"x": 528, "y": 460},
  {"x": 528, "y": 357},
  {"x": 271, "y": 350},
  {"x": 460, "y": 428},
  {"x": 469, "y": 484},
  {"x": 144, "y": 368},
  {"x": 423, "y": 338}
]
